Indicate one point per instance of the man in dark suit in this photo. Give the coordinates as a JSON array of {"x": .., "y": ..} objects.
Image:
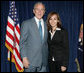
[{"x": 33, "y": 42}]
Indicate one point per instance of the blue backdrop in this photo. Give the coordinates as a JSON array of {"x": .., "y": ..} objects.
[{"x": 71, "y": 13}]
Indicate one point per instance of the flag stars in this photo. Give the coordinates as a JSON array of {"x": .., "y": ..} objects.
[
  {"x": 15, "y": 12},
  {"x": 9, "y": 13},
  {"x": 15, "y": 16},
  {"x": 12, "y": 12},
  {"x": 12, "y": 3},
  {"x": 13, "y": 9},
  {"x": 12, "y": 16}
]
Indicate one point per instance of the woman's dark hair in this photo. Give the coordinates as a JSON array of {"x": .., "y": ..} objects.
[{"x": 48, "y": 18}]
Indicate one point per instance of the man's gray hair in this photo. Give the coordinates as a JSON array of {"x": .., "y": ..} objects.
[{"x": 39, "y": 3}]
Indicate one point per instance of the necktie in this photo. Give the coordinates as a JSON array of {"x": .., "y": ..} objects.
[{"x": 40, "y": 29}]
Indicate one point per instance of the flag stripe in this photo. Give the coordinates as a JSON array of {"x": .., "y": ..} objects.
[
  {"x": 11, "y": 26},
  {"x": 18, "y": 29},
  {"x": 17, "y": 36},
  {"x": 17, "y": 39},
  {"x": 11, "y": 21},
  {"x": 17, "y": 46},
  {"x": 17, "y": 59},
  {"x": 10, "y": 30},
  {"x": 18, "y": 54},
  {"x": 9, "y": 35},
  {"x": 9, "y": 41},
  {"x": 18, "y": 67}
]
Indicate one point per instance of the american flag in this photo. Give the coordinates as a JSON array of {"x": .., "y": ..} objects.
[
  {"x": 13, "y": 37},
  {"x": 80, "y": 49},
  {"x": 79, "y": 59}
]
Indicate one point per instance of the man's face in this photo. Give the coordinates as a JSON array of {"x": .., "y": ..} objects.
[{"x": 39, "y": 11}]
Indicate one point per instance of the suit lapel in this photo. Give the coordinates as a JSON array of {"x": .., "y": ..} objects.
[
  {"x": 35, "y": 28},
  {"x": 55, "y": 35}
]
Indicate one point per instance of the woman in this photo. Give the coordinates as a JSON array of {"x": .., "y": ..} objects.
[{"x": 58, "y": 44}]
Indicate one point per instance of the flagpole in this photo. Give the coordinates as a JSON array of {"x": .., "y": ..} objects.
[{"x": 10, "y": 62}]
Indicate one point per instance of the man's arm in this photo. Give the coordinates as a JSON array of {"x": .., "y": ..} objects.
[{"x": 23, "y": 43}]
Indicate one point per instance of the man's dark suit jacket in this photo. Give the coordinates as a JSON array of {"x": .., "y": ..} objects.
[{"x": 59, "y": 47}]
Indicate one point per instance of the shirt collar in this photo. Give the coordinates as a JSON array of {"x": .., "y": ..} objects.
[
  {"x": 37, "y": 20},
  {"x": 56, "y": 29}
]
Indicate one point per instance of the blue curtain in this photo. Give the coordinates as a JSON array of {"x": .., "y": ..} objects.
[{"x": 71, "y": 13}]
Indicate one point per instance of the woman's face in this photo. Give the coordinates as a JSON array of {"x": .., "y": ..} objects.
[{"x": 53, "y": 21}]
